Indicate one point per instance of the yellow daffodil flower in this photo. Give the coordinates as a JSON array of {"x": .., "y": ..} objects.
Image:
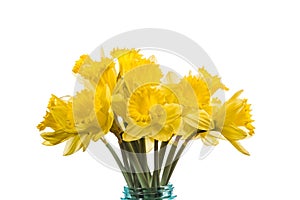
[
  {"x": 76, "y": 120},
  {"x": 237, "y": 123},
  {"x": 151, "y": 114},
  {"x": 204, "y": 85},
  {"x": 194, "y": 96},
  {"x": 130, "y": 58},
  {"x": 201, "y": 91},
  {"x": 131, "y": 81},
  {"x": 213, "y": 82},
  {"x": 59, "y": 118},
  {"x": 103, "y": 109},
  {"x": 94, "y": 72}
]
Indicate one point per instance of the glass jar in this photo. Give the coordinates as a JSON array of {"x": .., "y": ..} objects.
[{"x": 160, "y": 193}]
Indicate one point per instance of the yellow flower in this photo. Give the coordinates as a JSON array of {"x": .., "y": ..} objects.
[
  {"x": 94, "y": 72},
  {"x": 92, "y": 111},
  {"x": 130, "y": 82},
  {"x": 213, "y": 82},
  {"x": 59, "y": 118},
  {"x": 201, "y": 91},
  {"x": 103, "y": 109},
  {"x": 130, "y": 58},
  {"x": 147, "y": 107},
  {"x": 151, "y": 114},
  {"x": 194, "y": 96},
  {"x": 77, "y": 120},
  {"x": 203, "y": 85},
  {"x": 237, "y": 122}
]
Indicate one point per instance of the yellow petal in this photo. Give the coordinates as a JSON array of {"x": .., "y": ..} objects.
[
  {"x": 165, "y": 122},
  {"x": 79, "y": 63},
  {"x": 171, "y": 78},
  {"x": 96, "y": 72},
  {"x": 50, "y": 122},
  {"x": 85, "y": 141},
  {"x": 157, "y": 114},
  {"x": 136, "y": 131},
  {"x": 47, "y": 143},
  {"x": 62, "y": 113},
  {"x": 239, "y": 147},
  {"x": 199, "y": 119},
  {"x": 142, "y": 75},
  {"x": 210, "y": 140},
  {"x": 130, "y": 59},
  {"x": 232, "y": 132},
  {"x": 128, "y": 138},
  {"x": 72, "y": 145},
  {"x": 164, "y": 134},
  {"x": 149, "y": 144},
  {"x": 201, "y": 91},
  {"x": 235, "y": 96},
  {"x": 173, "y": 111},
  {"x": 214, "y": 82},
  {"x": 56, "y": 137},
  {"x": 103, "y": 109},
  {"x": 119, "y": 106}
]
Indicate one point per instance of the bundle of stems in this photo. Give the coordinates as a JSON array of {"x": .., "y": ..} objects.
[{"x": 133, "y": 161}]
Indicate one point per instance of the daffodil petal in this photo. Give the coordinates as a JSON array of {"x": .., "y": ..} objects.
[
  {"x": 239, "y": 147},
  {"x": 137, "y": 131},
  {"x": 72, "y": 145},
  {"x": 232, "y": 132},
  {"x": 56, "y": 137},
  {"x": 142, "y": 75},
  {"x": 198, "y": 119}
]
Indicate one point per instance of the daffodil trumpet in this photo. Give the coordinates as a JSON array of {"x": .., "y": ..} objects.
[{"x": 148, "y": 110}]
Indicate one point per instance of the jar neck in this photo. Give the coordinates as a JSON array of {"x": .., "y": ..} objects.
[{"x": 159, "y": 193}]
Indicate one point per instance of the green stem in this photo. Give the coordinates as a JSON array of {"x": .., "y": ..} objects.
[
  {"x": 179, "y": 153},
  {"x": 169, "y": 161},
  {"x": 143, "y": 158},
  {"x": 126, "y": 163},
  {"x": 117, "y": 159},
  {"x": 131, "y": 168},
  {"x": 176, "y": 159},
  {"x": 155, "y": 178},
  {"x": 136, "y": 146},
  {"x": 162, "y": 152},
  {"x": 137, "y": 166}
]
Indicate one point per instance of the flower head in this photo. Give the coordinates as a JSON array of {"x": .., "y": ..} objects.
[
  {"x": 130, "y": 58},
  {"x": 213, "y": 82},
  {"x": 237, "y": 123},
  {"x": 201, "y": 90},
  {"x": 152, "y": 114},
  {"x": 77, "y": 120},
  {"x": 94, "y": 72}
]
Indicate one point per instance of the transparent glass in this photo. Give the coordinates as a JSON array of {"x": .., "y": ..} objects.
[{"x": 160, "y": 193}]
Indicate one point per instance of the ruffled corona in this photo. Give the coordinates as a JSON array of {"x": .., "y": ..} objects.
[{"x": 152, "y": 114}]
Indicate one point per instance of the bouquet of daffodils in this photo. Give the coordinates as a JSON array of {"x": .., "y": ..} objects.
[{"x": 149, "y": 110}]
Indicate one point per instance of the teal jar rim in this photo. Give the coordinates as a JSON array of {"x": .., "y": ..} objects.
[{"x": 153, "y": 193}]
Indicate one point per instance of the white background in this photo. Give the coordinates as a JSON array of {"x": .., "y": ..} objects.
[{"x": 254, "y": 45}]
